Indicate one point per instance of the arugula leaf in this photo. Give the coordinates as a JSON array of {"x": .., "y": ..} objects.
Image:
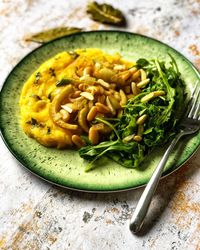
[
  {"x": 63, "y": 82},
  {"x": 142, "y": 63}
]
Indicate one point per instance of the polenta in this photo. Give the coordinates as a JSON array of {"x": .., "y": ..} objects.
[{"x": 63, "y": 98}]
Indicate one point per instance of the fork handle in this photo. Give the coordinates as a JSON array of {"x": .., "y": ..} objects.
[{"x": 146, "y": 197}]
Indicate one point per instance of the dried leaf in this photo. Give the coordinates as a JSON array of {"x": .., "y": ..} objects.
[
  {"x": 105, "y": 13},
  {"x": 51, "y": 34}
]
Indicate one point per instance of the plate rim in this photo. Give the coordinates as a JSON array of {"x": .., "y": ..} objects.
[{"x": 19, "y": 160}]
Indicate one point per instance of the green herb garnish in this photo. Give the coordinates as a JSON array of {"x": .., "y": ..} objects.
[
  {"x": 37, "y": 77},
  {"x": 52, "y": 72},
  {"x": 32, "y": 122},
  {"x": 36, "y": 97},
  {"x": 63, "y": 82},
  {"x": 48, "y": 130}
]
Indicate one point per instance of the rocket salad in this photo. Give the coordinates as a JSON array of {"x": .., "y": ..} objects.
[{"x": 150, "y": 117}]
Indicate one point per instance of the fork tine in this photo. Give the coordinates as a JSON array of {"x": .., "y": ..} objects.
[
  {"x": 194, "y": 109},
  {"x": 191, "y": 98},
  {"x": 194, "y": 89},
  {"x": 196, "y": 113}
]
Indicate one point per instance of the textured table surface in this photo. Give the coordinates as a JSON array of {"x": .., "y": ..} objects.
[{"x": 37, "y": 215}]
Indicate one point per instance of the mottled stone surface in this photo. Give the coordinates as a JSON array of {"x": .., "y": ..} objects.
[{"x": 37, "y": 215}]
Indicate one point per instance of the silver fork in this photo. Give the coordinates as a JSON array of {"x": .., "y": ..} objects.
[{"x": 189, "y": 124}]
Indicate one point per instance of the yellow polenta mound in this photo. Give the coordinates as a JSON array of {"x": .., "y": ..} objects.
[{"x": 63, "y": 97}]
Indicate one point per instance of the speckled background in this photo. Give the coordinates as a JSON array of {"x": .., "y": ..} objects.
[{"x": 37, "y": 215}]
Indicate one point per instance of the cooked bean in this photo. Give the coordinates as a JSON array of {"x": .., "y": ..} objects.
[
  {"x": 90, "y": 104},
  {"x": 102, "y": 108},
  {"x": 97, "y": 66},
  {"x": 82, "y": 86},
  {"x": 143, "y": 74},
  {"x": 102, "y": 128},
  {"x": 76, "y": 94},
  {"x": 87, "y": 95},
  {"x": 65, "y": 125},
  {"x": 76, "y": 139},
  {"x": 143, "y": 83},
  {"x": 78, "y": 99},
  {"x": 141, "y": 119},
  {"x": 109, "y": 92},
  {"x": 123, "y": 98},
  {"x": 134, "y": 89},
  {"x": 117, "y": 95},
  {"x": 101, "y": 99},
  {"x": 135, "y": 75},
  {"x": 92, "y": 113},
  {"x": 119, "y": 67},
  {"x": 137, "y": 138},
  {"x": 152, "y": 95},
  {"x": 121, "y": 77},
  {"x": 133, "y": 70},
  {"x": 93, "y": 135},
  {"x": 103, "y": 83},
  {"x": 65, "y": 115},
  {"x": 93, "y": 90},
  {"x": 88, "y": 79},
  {"x": 55, "y": 107},
  {"x": 115, "y": 102},
  {"x": 140, "y": 129},
  {"x": 105, "y": 74},
  {"x": 110, "y": 106},
  {"x": 87, "y": 71},
  {"x": 128, "y": 138},
  {"x": 57, "y": 117},
  {"x": 99, "y": 126},
  {"x": 82, "y": 115}
]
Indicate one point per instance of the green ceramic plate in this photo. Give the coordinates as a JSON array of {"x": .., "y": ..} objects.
[{"x": 65, "y": 167}]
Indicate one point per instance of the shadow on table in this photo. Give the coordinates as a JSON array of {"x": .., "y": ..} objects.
[{"x": 166, "y": 190}]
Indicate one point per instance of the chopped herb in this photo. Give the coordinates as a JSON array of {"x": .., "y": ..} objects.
[
  {"x": 32, "y": 122},
  {"x": 73, "y": 54},
  {"x": 36, "y": 97},
  {"x": 37, "y": 77},
  {"x": 52, "y": 72},
  {"x": 63, "y": 82},
  {"x": 105, "y": 13},
  {"x": 49, "y": 96},
  {"x": 51, "y": 34},
  {"x": 48, "y": 130}
]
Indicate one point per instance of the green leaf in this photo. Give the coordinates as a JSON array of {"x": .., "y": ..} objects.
[
  {"x": 105, "y": 13},
  {"x": 142, "y": 63},
  {"x": 63, "y": 82},
  {"x": 51, "y": 34}
]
